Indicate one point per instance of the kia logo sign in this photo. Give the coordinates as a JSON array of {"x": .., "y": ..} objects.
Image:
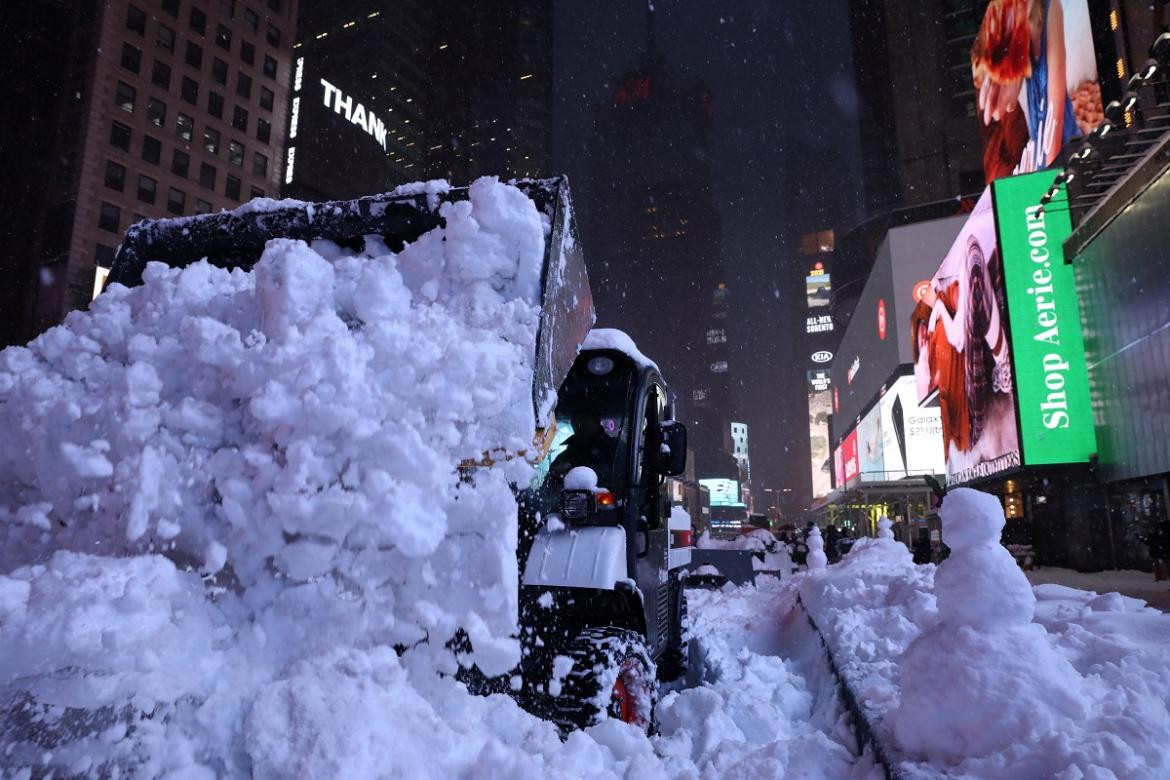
[
  {"x": 881, "y": 314},
  {"x": 823, "y": 356}
]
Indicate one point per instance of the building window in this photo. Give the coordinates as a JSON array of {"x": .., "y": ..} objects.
[
  {"x": 719, "y": 367},
  {"x": 228, "y": 8},
  {"x": 263, "y": 130},
  {"x": 185, "y": 127},
  {"x": 147, "y": 188},
  {"x": 223, "y": 37},
  {"x": 160, "y": 75},
  {"x": 136, "y": 20},
  {"x": 818, "y": 242},
  {"x": 156, "y": 112},
  {"x": 166, "y": 38},
  {"x": 236, "y": 153},
  {"x": 189, "y": 90},
  {"x": 698, "y": 395},
  {"x": 219, "y": 70},
  {"x": 215, "y": 105},
  {"x": 207, "y": 176},
  {"x": 198, "y": 21},
  {"x": 211, "y": 140},
  {"x": 252, "y": 20},
  {"x": 151, "y": 149},
  {"x": 176, "y": 201},
  {"x": 269, "y": 67},
  {"x": 240, "y": 118},
  {"x": 194, "y": 55},
  {"x": 180, "y": 163},
  {"x": 248, "y": 52},
  {"x": 109, "y": 216},
  {"x": 232, "y": 189},
  {"x": 115, "y": 175},
  {"x": 259, "y": 164},
  {"x": 171, "y": 7},
  {"x": 257, "y": 193},
  {"x": 124, "y": 97},
  {"x": 273, "y": 36},
  {"x": 103, "y": 255},
  {"x": 266, "y": 98},
  {"x": 202, "y": 206},
  {"x": 131, "y": 58},
  {"x": 120, "y": 136},
  {"x": 716, "y": 336},
  {"x": 244, "y": 85}
]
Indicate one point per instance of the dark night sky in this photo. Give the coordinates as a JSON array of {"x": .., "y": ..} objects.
[{"x": 775, "y": 69}]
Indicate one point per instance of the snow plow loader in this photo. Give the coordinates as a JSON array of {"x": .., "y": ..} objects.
[{"x": 601, "y": 560}]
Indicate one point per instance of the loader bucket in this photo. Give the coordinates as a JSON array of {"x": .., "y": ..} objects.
[{"x": 236, "y": 239}]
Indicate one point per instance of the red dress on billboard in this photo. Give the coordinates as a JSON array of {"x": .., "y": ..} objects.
[{"x": 949, "y": 372}]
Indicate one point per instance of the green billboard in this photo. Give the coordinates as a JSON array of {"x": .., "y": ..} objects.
[{"x": 1048, "y": 349}]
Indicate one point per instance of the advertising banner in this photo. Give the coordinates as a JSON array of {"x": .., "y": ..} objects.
[
  {"x": 839, "y": 467},
  {"x": 849, "y": 458},
  {"x": 724, "y": 492},
  {"x": 911, "y": 434},
  {"x": 1035, "y": 76},
  {"x": 820, "y": 406},
  {"x": 1048, "y": 349},
  {"x": 871, "y": 463},
  {"x": 962, "y": 356}
]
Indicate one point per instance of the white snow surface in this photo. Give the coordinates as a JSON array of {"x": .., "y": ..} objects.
[
  {"x": 612, "y": 338},
  {"x": 292, "y": 435},
  {"x": 1059, "y": 683}
]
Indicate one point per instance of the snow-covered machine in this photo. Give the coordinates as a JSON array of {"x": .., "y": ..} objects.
[{"x": 602, "y": 608}]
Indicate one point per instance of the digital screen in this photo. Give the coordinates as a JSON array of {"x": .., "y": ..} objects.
[
  {"x": 1036, "y": 83},
  {"x": 871, "y": 463},
  {"x": 818, "y": 290},
  {"x": 1048, "y": 349},
  {"x": 962, "y": 353},
  {"x": 911, "y": 434},
  {"x": 724, "y": 492},
  {"x": 820, "y": 406}
]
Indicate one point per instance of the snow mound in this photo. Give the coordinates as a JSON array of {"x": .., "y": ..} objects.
[
  {"x": 1062, "y": 683},
  {"x": 292, "y": 433}
]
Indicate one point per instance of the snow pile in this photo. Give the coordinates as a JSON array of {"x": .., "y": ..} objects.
[
  {"x": 292, "y": 435},
  {"x": 870, "y": 606},
  {"x": 967, "y": 671}
]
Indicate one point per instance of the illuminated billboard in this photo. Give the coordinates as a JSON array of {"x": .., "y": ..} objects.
[
  {"x": 849, "y": 459},
  {"x": 724, "y": 492},
  {"x": 962, "y": 356},
  {"x": 820, "y": 406},
  {"x": 1048, "y": 350},
  {"x": 871, "y": 464},
  {"x": 911, "y": 434},
  {"x": 1036, "y": 82}
]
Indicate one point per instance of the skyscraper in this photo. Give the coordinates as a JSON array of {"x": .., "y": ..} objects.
[
  {"x": 912, "y": 68},
  {"x": 140, "y": 109},
  {"x": 654, "y": 237},
  {"x": 454, "y": 90}
]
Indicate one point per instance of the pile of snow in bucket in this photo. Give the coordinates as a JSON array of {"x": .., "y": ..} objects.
[
  {"x": 966, "y": 669},
  {"x": 219, "y": 483}
]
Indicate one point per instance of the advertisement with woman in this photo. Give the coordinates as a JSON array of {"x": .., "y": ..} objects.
[
  {"x": 961, "y": 353},
  {"x": 1035, "y": 76}
]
